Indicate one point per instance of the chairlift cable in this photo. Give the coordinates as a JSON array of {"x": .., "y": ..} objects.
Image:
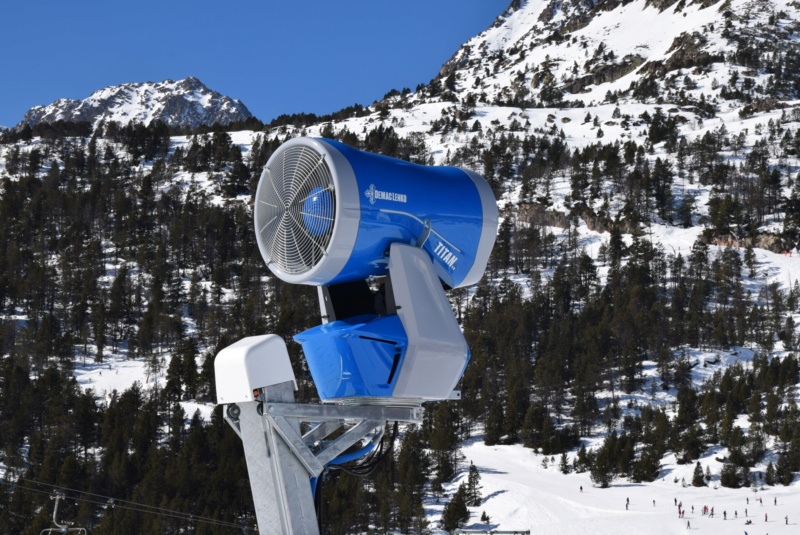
[
  {"x": 175, "y": 514},
  {"x": 142, "y": 508},
  {"x": 116, "y": 500}
]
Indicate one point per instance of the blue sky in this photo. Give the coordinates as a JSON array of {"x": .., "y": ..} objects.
[{"x": 276, "y": 56}]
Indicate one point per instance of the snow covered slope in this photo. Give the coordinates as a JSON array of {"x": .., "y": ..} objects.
[
  {"x": 581, "y": 51},
  {"x": 520, "y": 494},
  {"x": 183, "y": 103}
]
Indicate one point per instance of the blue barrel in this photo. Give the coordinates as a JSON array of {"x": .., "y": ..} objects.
[{"x": 326, "y": 213}]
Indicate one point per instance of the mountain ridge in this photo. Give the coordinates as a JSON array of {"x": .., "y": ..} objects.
[{"x": 185, "y": 103}]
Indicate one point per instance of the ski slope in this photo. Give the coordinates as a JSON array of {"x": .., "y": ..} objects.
[{"x": 519, "y": 494}]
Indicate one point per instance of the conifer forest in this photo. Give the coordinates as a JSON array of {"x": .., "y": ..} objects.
[{"x": 106, "y": 251}]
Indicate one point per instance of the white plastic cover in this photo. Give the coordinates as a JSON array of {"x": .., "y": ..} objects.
[
  {"x": 488, "y": 232},
  {"x": 437, "y": 351},
  {"x": 251, "y": 363}
]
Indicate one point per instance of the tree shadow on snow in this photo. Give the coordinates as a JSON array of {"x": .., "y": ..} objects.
[
  {"x": 492, "y": 495},
  {"x": 484, "y": 527},
  {"x": 489, "y": 470}
]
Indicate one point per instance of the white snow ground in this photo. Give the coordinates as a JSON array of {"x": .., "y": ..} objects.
[{"x": 519, "y": 494}]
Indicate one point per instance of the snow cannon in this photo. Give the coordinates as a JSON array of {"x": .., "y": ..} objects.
[
  {"x": 381, "y": 238},
  {"x": 326, "y": 213}
]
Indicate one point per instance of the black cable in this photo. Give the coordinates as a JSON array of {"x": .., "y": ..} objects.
[
  {"x": 368, "y": 467},
  {"x": 318, "y": 499}
]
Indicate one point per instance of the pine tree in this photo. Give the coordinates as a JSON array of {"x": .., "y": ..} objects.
[
  {"x": 473, "y": 497},
  {"x": 698, "y": 480},
  {"x": 783, "y": 470},
  {"x": 729, "y": 477},
  {"x": 602, "y": 470},
  {"x": 444, "y": 442},
  {"x": 119, "y": 305},
  {"x": 419, "y": 526},
  {"x": 564, "y": 463},
  {"x": 99, "y": 322},
  {"x": 750, "y": 261},
  {"x": 455, "y": 514},
  {"x": 582, "y": 460},
  {"x": 494, "y": 423},
  {"x": 769, "y": 474},
  {"x": 412, "y": 474}
]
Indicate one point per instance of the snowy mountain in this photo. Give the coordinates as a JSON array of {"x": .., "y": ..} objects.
[
  {"x": 645, "y": 158},
  {"x": 599, "y": 73},
  {"x": 588, "y": 52},
  {"x": 184, "y": 103}
]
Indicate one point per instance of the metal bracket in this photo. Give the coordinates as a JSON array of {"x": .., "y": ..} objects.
[
  {"x": 308, "y": 448},
  {"x": 281, "y": 460},
  {"x": 296, "y": 444},
  {"x": 326, "y": 413}
]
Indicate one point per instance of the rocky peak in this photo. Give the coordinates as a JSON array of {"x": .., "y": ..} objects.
[{"x": 186, "y": 103}]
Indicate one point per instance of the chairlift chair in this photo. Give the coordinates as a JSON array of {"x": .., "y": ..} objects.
[{"x": 60, "y": 528}]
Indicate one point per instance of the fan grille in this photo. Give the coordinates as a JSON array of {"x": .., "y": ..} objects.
[{"x": 295, "y": 209}]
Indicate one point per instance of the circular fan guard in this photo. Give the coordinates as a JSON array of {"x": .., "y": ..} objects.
[{"x": 295, "y": 209}]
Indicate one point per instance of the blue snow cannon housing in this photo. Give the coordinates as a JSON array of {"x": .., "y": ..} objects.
[{"x": 379, "y": 237}]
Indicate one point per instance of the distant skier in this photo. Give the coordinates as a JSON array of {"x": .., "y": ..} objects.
[
  {"x": 688, "y": 524},
  {"x": 581, "y": 488}
]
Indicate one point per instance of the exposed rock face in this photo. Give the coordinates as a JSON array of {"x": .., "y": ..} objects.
[
  {"x": 604, "y": 73},
  {"x": 661, "y": 5},
  {"x": 186, "y": 103},
  {"x": 687, "y": 51},
  {"x": 766, "y": 240},
  {"x": 537, "y": 214}
]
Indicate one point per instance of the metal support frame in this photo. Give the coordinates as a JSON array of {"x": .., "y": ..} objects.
[
  {"x": 60, "y": 528},
  {"x": 281, "y": 460}
]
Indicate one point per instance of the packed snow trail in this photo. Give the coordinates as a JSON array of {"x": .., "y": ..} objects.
[{"x": 519, "y": 494}]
